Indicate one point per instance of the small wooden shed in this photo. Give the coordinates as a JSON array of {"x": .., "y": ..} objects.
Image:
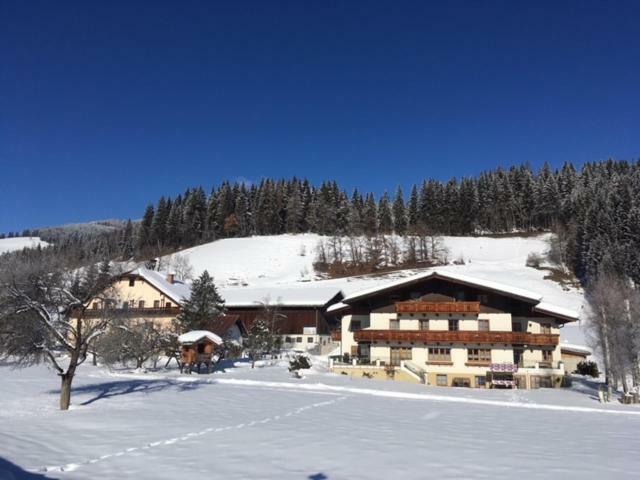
[{"x": 196, "y": 348}]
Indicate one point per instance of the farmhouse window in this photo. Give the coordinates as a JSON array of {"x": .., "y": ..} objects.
[
  {"x": 440, "y": 354},
  {"x": 479, "y": 355}
]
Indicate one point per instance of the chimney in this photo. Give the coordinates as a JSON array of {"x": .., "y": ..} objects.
[{"x": 171, "y": 278}]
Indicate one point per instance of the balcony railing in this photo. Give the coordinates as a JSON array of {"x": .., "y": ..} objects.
[
  {"x": 430, "y": 336},
  {"x": 131, "y": 311},
  {"x": 336, "y": 335},
  {"x": 438, "y": 307}
]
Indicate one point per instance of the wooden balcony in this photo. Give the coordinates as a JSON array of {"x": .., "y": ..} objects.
[
  {"x": 132, "y": 312},
  {"x": 438, "y": 307},
  {"x": 431, "y": 336},
  {"x": 336, "y": 335}
]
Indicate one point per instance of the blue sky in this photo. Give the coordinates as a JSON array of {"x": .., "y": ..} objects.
[{"x": 105, "y": 106}]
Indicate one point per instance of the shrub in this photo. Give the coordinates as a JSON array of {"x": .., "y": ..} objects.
[
  {"x": 299, "y": 362},
  {"x": 588, "y": 368},
  {"x": 534, "y": 260}
]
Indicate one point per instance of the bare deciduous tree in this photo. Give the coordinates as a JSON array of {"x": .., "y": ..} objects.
[
  {"x": 613, "y": 325},
  {"x": 43, "y": 314},
  {"x": 129, "y": 340}
]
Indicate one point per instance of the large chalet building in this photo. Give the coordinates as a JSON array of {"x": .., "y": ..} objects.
[
  {"x": 446, "y": 329},
  {"x": 438, "y": 328}
]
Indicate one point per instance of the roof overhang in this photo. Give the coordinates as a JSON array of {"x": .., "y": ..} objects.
[
  {"x": 488, "y": 285},
  {"x": 561, "y": 314}
]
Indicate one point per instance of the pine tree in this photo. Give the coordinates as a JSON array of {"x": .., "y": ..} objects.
[
  {"x": 294, "y": 210},
  {"x": 204, "y": 308},
  {"x": 241, "y": 212},
  {"x": 385, "y": 217},
  {"x": 259, "y": 341},
  {"x": 399, "y": 213},
  {"x": 145, "y": 238},
  {"x": 370, "y": 215},
  {"x": 159, "y": 224},
  {"x": 413, "y": 214},
  {"x": 126, "y": 242}
]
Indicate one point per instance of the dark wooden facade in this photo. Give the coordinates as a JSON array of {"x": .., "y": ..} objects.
[
  {"x": 437, "y": 307},
  {"x": 291, "y": 321},
  {"x": 470, "y": 337}
]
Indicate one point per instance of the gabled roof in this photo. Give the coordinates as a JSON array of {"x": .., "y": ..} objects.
[
  {"x": 453, "y": 277},
  {"x": 521, "y": 294},
  {"x": 196, "y": 335},
  {"x": 177, "y": 291},
  {"x": 224, "y": 324}
]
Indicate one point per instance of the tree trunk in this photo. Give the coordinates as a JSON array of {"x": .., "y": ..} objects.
[
  {"x": 623, "y": 380},
  {"x": 606, "y": 354},
  {"x": 65, "y": 390},
  {"x": 94, "y": 359}
]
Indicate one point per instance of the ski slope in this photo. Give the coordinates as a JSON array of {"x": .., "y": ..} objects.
[
  {"x": 18, "y": 243},
  {"x": 263, "y": 424}
]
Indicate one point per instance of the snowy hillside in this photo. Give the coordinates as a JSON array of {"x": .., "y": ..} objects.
[
  {"x": 256, "y": 261},
  {"x": 18, "y": 243},
  {"x": 270, "y": 261}
]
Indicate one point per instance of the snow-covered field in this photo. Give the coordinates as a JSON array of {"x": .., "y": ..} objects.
[
  {"x": 264, "y": 424},
  {"x": 281, "y": 260},
  {"x": 18, "y": 243}
]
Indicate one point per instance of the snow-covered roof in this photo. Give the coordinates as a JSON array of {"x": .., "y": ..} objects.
[
  {"x": 337, "y": 306},
  {"x": 527, "y": 295},
  {"x": 195, "y": 335},
  {"x": 544, "y": 307},
  {"x": 178, "y": 290},
  {"x": 455, "y": 277},
  {"x": 570, "y": 347},
  {"x": 306, "y": 295}
]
